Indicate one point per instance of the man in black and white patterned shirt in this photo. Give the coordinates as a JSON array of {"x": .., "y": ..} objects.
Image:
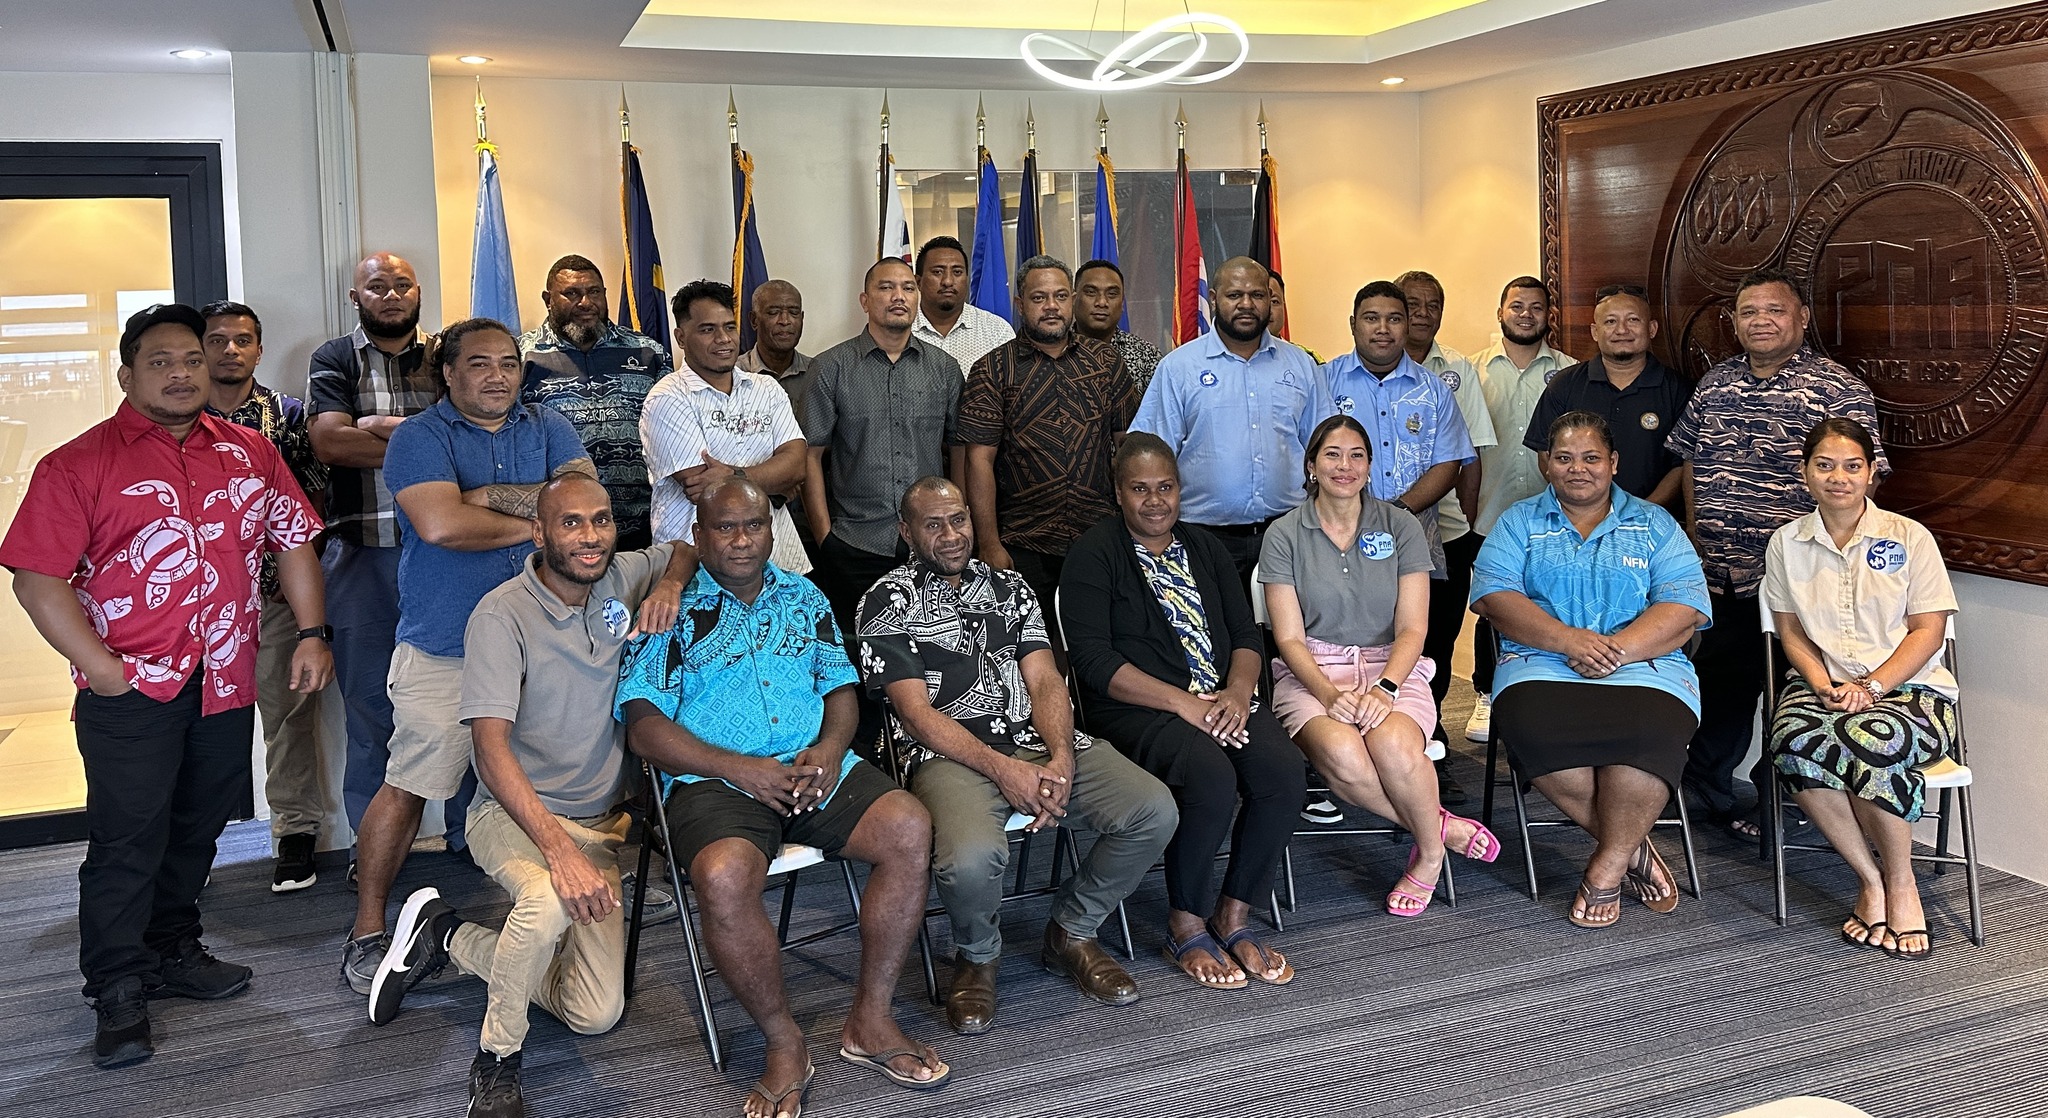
[{"x": 981, "y": 714}]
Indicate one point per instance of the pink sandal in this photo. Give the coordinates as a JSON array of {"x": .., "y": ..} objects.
[
  {"x": 1427, "y": 892},
  {"x": 1484, "y": 845}
]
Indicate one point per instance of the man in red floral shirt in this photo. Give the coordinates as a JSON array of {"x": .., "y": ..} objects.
[{"x": 136, "y": 553}]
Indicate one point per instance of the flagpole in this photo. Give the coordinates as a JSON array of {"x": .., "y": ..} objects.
[
  {"x": 980, "y": 131},
  {"x": 1101, "y": 127},
  {"x": 483, "y": 132},
  {"x": 882, "y": 184},
  {"x": 1262, "y": 130}
]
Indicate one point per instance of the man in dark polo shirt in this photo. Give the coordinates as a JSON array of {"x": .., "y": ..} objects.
[
  {"x": 1040, "y": 415},
  {"x": 1640, "y": 398}
]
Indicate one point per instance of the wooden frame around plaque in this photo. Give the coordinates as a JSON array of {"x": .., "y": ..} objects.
[{"x": 1899, "y": 174}]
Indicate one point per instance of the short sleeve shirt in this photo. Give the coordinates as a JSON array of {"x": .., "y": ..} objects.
[
  {"x": 795, "y": 380},
  {"x": 352, "y": 376},
  {"x": 1347, "y": 594},
  {"x": 163, "y": 542},
  {"x": 1053, "y": 423},
  {"x": 1744, "y": 438},
  {"x": 967, "y": 643},
  {"x": 1140, "y": 358},
  {"x": 281, "y": 419},
  {"x": 1636, "y": 558},
  {"x": 750, "y": 679},
  {"x": 1508, "y": 471},
  {"x": 884, "y": 424},
  {"x": 600, "y": 391},
  {"x": 1455, "y": 370},
  {"x": 439, "y": 586},
  {"x": 550, "y": 669},
  {"x": 686, "y": 417},
  {"x": 1852, "y": 601},
  {"x": 1640, "y": 417},
  {"x": 1238, "y": 426},
  {"x": 974, "y": 334}
]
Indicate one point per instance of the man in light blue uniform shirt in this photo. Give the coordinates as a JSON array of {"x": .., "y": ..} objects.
[{"x": 1237, "y": 407}]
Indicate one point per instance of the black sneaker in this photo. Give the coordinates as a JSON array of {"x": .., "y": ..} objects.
[
  {"x": 122, "y": 1035},
  {"x": 191, "y": 972},
  {"x": 419, "y": 948},
  {"x": 1449, "y": 792},
  {"x": 295, "y": 868},
  {"x": 1321, "y": 807},
  {"x": 494, "y": 1087}
]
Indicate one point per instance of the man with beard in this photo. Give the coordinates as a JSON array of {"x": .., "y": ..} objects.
[
  {"x": 1236, "y": 406},
  {"x": 294, "y": 779},
  {"x": 361, "y": 386},
  {"x": 135, "y": 554},
  {"x": 537, "y": 683},
  {"x": 959, "y": 648},
  {"x": 1742, "y": 438},
  {"x": 712, "y": 420},
  {"x": 1512, "y": 375},
  {"x": 1099, "y": 314},
  {"x": 1627, "y": 386},
  {"x": 1040, "y": 416},
  {"x": 944, "y": 316},
  {"x": 465, "y": 475},
  {"x": 597, "y": 374}
]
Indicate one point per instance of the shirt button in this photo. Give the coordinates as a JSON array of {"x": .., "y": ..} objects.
[{"x": 774, "y": 719}]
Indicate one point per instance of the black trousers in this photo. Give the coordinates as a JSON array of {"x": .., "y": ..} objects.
[
  {"x": 1041, "y": 571},
  {"x": 1243, "y": 542},
  {"x": 845, "y": 574},
  {"x": 1447, "y": 613},
  {"x": 160, "y": 782},
  {"x": 1730, "y": 662}
]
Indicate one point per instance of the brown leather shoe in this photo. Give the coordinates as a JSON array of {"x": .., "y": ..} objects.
[
  {"x": 971, "y": 1003},
  {"x": 1092, "y": 969}
]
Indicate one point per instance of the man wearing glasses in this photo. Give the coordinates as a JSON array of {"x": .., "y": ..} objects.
[{"x": 1639, "y": 396}]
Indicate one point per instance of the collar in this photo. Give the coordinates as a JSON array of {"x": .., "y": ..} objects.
[
  {"x": 131, "y": 424},
  {"x": 1622, "y": 508},
  {"x": 922, "y": 574},
  {"x": 1210, "y": 346},
  {"x": 359, "y": 340},
  {"x": 911, "y": 344},
  {"x": 971, "y": 318},
  {"x": 1652, "y": 375},
  {"x": 451, "y": 414},
  {"x": 258, "y": 395},
  {"x": 1499, "y": 351},
  {"x": 529, "y": 577},
  {"x": 1439, "y": 354},
  {"x": 612, "y": 335},
  {"x": 1349, "y": 361},
  {"x": 1810, "y": 526},
  {"x": 1799, "y": 359},
  {"x": 703, "y": 586},
  {"x": 751, "y": 361},
  {"x": 694, "y": 383}
]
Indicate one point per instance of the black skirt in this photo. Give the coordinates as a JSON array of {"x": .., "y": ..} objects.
[{"x": 1551, "y": 725}]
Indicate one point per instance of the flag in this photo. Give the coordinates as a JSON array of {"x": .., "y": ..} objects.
[
  {"x": 1190, "y": 274},
  {"x": 1030, "y": 240},
  {"x": 893, "y": 237},
  {"x": 749, "y": 270},
  {"x": 1266, "y": 218},
  {"x": 491, "y": 291},
  {"x": 643, "y": 304},
  {"x": 990, "y": 271},
  {"x": 1105, "y": 222}
]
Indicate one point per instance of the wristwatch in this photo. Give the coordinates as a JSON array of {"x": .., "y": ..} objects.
[
  {"x": 1392, "y": 689},
  {"x": 324, "y": 632},
  {"x": 1870, "y": 684}
]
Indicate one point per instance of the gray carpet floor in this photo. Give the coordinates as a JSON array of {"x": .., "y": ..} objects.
[{"x": 1495, "y": 1008}]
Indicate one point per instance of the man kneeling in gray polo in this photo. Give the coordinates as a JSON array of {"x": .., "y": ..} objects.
[{"x": 538, "y": 677}]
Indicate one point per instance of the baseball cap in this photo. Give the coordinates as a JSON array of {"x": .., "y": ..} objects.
[{"x": 158, "y": 314}]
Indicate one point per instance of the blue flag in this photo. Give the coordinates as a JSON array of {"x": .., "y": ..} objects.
[
  {"x": 491, "y": 291},
  {"x": 1105, "y": 223},
  {"x": 644, "y": 302},
  {"x": 990, "y": 271},
  {"x": 749, "y": 269}
]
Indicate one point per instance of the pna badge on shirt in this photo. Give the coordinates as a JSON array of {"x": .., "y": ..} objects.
[
  {"x": 617, "y": 619},
  {"x": 1345, "y": 404},
  {"x": 1208, "y": 380},
  {"x": 1377, "y": 545},
  {"x": 1885, "y": 555}
]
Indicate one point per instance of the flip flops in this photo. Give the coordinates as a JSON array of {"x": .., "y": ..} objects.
[
  {"x": 1175, "y": 950},
  {"x": 1896, "y": 949},
  {"x": 800, "y": 1088},
  {"x": 1589, "y": 898},
  {"x": 1861, "y": 934},
  {"x": 1642, "y": 884},
  {"x": 1246, "y": 935},
  {"x": 879, "y": 1061}
]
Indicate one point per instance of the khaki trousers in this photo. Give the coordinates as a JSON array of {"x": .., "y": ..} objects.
[
  {"x": 542, "y": 957},
  {"x": 294, "y": 779}
]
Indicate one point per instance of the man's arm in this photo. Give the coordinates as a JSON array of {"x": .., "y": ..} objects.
[
  {"x": 444, "y": 517},
  {"x": 522, "y": 501},
  {"x": 1431, "y": 487},
  {"x": 338, "y": 441},
  {"x": 672, "y": 749},
  {"x": 53, "y": 606},
  {"x": 1468, "y": 489},
  {"x": 305, "y": 590},
  {"x": 981, "y": 504},
  {"x": 1019, "y": 781},
  {"x": 1668, "y": 489},
  {"x": 584, "y": 891},
  {"x": 816, "y": 508}
]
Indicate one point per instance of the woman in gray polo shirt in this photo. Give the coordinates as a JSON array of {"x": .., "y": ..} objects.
[{"x": 1347, "y": 590}]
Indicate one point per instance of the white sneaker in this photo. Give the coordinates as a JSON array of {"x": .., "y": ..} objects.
[{"x": 1479, "y": 727}]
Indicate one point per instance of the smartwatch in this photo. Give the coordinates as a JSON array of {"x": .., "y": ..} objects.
[
  {"x": 324, "y": 632},
  {"x": 1392, "y": 689}
]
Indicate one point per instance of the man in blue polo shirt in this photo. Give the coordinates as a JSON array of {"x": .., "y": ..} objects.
[
  {"x": 597, "y": 374},
  {"x": 466, "y": 474},
  {"x": 1236, "y": 406}
]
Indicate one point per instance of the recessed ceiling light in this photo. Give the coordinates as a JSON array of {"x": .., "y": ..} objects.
[
  {"x": 471, "y": 59},
  {"x": 1392, "y": 81},
  {"x": 191, "y": 54}
]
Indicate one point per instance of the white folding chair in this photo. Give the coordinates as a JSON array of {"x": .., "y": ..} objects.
[{"x": 1950, "y": 775}]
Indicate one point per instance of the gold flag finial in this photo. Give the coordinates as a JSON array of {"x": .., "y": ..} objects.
[
  {"x": 732, "y": 118},
  {"x": 980, "y": 123},
  {"x": 1101, "y": 125},
  {"x": 1180, "y": 125},
  {"x": 1030, "y": 128},
  {"x": 625, "y": 118},
  {"x": 1262, "y": 127},
  {"x": 483, "y": 132}
]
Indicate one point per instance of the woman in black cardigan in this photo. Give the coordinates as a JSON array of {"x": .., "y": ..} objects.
[{"x": 1161, "y": 637}]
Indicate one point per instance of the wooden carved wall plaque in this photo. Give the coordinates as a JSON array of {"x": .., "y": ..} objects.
[{"x": 1900, "y": 174}]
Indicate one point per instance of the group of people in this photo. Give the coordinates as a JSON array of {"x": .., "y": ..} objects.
[{"x": 837, "y": 601}]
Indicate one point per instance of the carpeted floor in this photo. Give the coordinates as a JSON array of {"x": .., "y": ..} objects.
[{"x": 1496, "y": 1008}]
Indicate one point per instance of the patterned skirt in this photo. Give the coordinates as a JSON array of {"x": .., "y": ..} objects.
[{"x": 1874, "y": 754}]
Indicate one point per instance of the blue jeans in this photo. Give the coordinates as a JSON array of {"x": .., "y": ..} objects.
[{"x": 362, "y": 605}]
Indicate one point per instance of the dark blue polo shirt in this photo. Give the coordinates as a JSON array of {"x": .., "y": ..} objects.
[{"x": 1641, "y": 416}]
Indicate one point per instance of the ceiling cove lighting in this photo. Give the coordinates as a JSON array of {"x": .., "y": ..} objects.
[
  {"x": 1392, "y": 81},
  {"x": 191, "y": 54},
  {"x": 1123, "y": 66},
  {"x": 472, "y": 59}
]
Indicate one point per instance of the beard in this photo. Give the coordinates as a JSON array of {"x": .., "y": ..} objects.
[
  {"x": 403, "y": 328},
  {"x": 559, "y": 561},
  {"x": 1531, "y": 338},
  {"x": 1229, "y": 329},
  {"x": 578, "y": 334},
  {"x": 1042, "y": 336}
]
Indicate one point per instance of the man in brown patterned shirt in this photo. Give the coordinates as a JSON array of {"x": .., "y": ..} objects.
[{"x": 1040, "y": 415}]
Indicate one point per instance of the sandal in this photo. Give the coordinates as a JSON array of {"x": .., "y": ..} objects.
[
  {"x": 1483, "y": 846},
  {"x": 1897, "y": 949},
  {"x": 1176, "y": 951},
  {"x": 1642, "y": 884},
  {"x": 1426, "y": 893},
  {"x": 1246, "y": 935},
  {"x": 879, "y": 1061},
  {"x": 1589, "y": 898},
  {"x": 1872, "y": 935},
  {"x": 800, "y": 1088}
]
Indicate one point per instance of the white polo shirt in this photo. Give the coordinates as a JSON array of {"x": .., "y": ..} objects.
[
  {"x": 684, "y": 417},
  {"x": 973, "y": 335},
  {"x": 1852, "y": 601}
]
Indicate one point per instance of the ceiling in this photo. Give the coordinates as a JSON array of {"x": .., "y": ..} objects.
[{"x": 1296, "y": 45}]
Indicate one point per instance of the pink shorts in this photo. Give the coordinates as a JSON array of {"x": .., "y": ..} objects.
[{"x": 1346, "y": 667}]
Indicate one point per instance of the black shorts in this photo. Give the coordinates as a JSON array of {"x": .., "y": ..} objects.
[{"x": 705, "y": 811}]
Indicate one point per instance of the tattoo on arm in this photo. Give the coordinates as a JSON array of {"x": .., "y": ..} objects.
[{"x": 523, "y": 501}]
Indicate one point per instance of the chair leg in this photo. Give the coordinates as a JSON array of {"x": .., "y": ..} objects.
[
  {"x": 852, "y": 887},
  {"x": 1970, "y": 865},
  {"x": 1941, "y": 830},
  {"x": 690, "y": 945},
  {"x": 1492, "y": 760},
  {"x": 1522, "y": 823},
  {"x": 1287, "y": 870},
  {"x": 639, "y": 905},
  {"x": 1123, "y": 921},
  {"x": 1692, "y": 858},
  {"x": 1024, "y": 861},
  {"x": 788, "y": 906},
  {"x": 924, "y": 950},
  {"x": 1776, "y": 836},
  {"x": 1450, "y": 883}
]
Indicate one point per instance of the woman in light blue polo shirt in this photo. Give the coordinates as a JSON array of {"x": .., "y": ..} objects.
[{"x": 1594, "y": 592}]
